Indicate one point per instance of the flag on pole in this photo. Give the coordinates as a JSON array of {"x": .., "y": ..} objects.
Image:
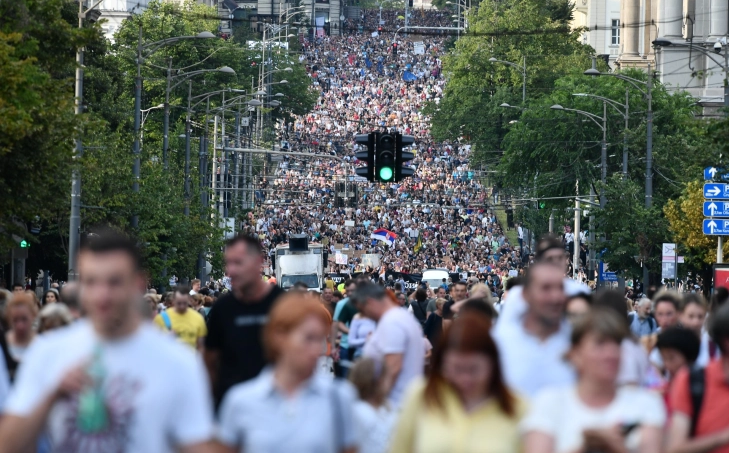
[
  {"x": 384, "y": 235},
  {"x": 419, "y": 244}
]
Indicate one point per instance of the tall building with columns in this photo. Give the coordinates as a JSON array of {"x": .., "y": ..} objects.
[{"x": 624, "y": 30}]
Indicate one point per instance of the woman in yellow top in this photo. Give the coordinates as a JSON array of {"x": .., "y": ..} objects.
[{"x": 464, "y": 405}]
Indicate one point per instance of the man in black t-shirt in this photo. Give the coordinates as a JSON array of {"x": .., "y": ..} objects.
[{"x": 233, "y": 347}]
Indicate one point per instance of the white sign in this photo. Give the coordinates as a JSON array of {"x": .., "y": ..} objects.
[
  {"x": 419, "y": 48},
  {"x": 349, "y": 223},
  {"x": 340, "y": 258},
  {"x": 371, "y": 259},
  {"x": 669, "y": 249},
  {"x": 375, "y": 34},
  {"x": 333, "y": 227}
]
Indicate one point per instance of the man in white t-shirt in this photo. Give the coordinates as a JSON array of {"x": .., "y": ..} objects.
[
  {"x": 111, "y": 382},
  {"x": 397, "y": 342},
  {"x": 532, "y": 349}
]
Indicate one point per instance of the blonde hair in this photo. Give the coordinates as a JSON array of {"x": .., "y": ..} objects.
[
  {"x": 54, "y": 312},
  {"x": 366, "y": 376},
  {"x": 439, "y": 302},
  {"x": 483, "y": 289},
  {"x": 25, "y": 299}
]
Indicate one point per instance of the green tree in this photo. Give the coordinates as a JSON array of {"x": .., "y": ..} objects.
[{"x": 36, "y": 104}]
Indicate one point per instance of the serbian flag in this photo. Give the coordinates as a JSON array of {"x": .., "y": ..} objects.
[{"x": 384, "y": 235}]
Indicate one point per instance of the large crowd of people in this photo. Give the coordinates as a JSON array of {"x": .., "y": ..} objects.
[
  {"x": 370, "y": 366},
  {"x": 552, "y": 368},
  {"x": 441, "y": 215}
]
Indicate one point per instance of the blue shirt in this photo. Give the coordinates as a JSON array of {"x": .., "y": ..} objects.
[
  {"x": 318, "y": 418},
  {"x": 344, "y": 339},
  {"x": 642, "y": 327}
]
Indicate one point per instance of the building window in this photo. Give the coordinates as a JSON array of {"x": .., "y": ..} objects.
[{"x": 615, "y": 32}]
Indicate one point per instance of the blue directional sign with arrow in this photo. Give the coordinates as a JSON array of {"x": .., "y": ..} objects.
[
  {"x": 716, "y": 227},
  {"x": 716, "y": 209},
  {"x": 716, "y": 190},
  {"x": 713, "y": 173}
]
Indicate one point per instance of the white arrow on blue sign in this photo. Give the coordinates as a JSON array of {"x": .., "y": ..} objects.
[
  {"x": 716, "y": 208},
  {"x": 711, "y": 173},
  {"x": 716, "y": 227},
  {"x": 716, "y": 190}
]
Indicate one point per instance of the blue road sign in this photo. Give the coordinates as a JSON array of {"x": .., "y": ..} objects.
[
  {"x": 713, "y": 173},
  {"x": 716, "y": 208},
  {"x": 606, "y": 276},
  {"x": 716, "y": 227},
  {"x": 716, "y": 190}
]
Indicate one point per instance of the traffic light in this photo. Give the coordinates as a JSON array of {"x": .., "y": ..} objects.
[
  {"x": 541, "y": 204},
  {"x": 394, "y": 48},
  {"x": 385, "y": 157},
  {"x": 401, "y": 157},
  {"x": 24, "y": 244},
  {"x": 379, "y": 29},
  {"x": 368, "y": 156}
]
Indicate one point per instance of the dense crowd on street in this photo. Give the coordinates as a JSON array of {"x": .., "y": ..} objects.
[
  {"x": 513, "y": 357},
  {"x": 102, "y": 366},
  {"x": 365, "y": 85}
]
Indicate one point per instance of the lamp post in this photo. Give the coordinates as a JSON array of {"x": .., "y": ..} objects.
[
  {"x": 74, "y": 224},
  {"x": 601, "y": 122},
  {"x": 647, "y": 91},
  {"x": 719, "y": 50},
  {"x": 616, "y": 105},
  {"x": 521, "y": 69},
  {"x": 185, "y": 77},
  {"x": 144, "y": 51}
]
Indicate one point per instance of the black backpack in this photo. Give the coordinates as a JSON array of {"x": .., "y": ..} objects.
[
  {"x": 697, "y": 386},
  {"x": 420, "y": 311}
]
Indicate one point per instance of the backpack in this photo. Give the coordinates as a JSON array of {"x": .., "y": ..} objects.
[
  {"x": 651, "y": 321},
  {"x": 420, "y": 313},
  {"x": 697, "y": 386}
]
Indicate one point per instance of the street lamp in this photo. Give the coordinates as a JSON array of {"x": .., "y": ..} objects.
[
  {"x": 718, "y": 50},
  {"x": 168, "y": 90},
  {"x": 601, "y": 122},
  {"x": 144, "y": 51},
  {"x": 646, "y": 88},
  {"x": 521, "y": 69},
  {"x": 509, "y": 106},
  {"x": 616, "y": 105}
]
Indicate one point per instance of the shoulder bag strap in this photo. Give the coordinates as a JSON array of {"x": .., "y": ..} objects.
[
  {"x": 166, "y": 319},
  {"x": 697, "y": 387}
]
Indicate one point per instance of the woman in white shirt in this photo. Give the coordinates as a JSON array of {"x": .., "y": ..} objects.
[
  {"x": 595, "y": 414},
  {"x": 290, "y": 407}
]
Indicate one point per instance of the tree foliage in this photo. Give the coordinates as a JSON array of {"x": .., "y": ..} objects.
[
  {"x": 38, "y": 126},
  {"x": 36, "y": 111}
]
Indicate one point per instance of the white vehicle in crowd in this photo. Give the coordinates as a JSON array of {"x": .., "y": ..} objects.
[
  {"x": 299, "y": 261},
  {"x": 434, "y": 277}
]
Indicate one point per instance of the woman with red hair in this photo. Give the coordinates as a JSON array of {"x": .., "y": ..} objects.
[
  {"x": 290, "y": 406},
  {"x": 463, "y": 406}
]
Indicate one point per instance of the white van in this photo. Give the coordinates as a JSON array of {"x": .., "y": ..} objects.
[{"x": 434, "y": 277}]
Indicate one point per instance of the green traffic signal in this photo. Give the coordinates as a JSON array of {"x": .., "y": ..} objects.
[
  {"x": 24, "y": 244},
  {"x": 386, "y": 173},
  {"x": 542, "y": 205}
]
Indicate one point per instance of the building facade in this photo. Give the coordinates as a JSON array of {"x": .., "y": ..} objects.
[{"x": 624, "y": 32}]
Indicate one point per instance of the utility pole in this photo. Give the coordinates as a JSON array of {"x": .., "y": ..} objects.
[{"x": 576, "y": 234}]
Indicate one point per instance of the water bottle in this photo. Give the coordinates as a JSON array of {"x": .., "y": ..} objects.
[{"x": 92, "y": 414}]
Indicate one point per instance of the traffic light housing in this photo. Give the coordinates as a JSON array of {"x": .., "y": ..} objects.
[
  {"x": 367, "y": 156},
  {"x": 394, "y": 48},
  {"x": 541, "y": 204},
  {"x": 402, "y": 157},
  {"x": 385, "y": 151}
]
